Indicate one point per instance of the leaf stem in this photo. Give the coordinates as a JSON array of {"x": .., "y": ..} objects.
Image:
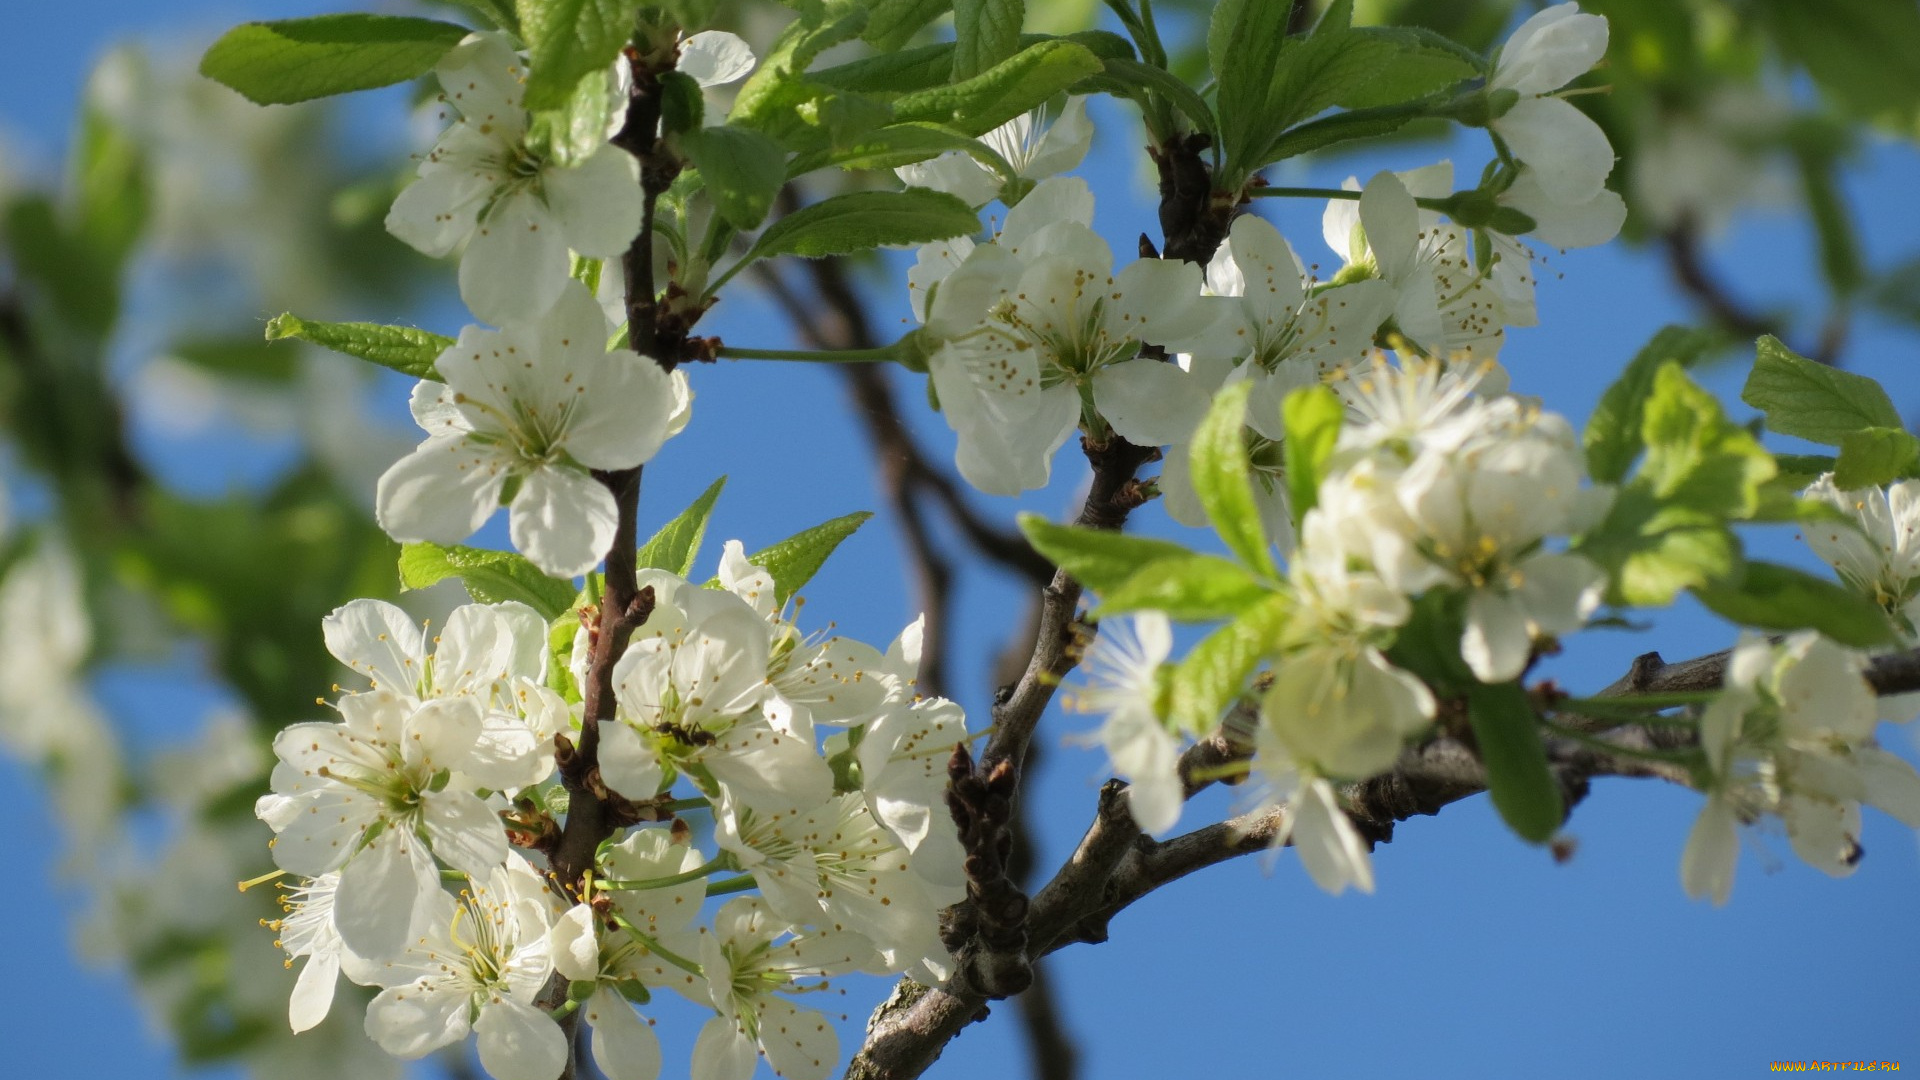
[
  {"x": 813, "y": 356},
  {"x": 1333, "y": 193},
  {"x": 730, "y": 885},
  {"x": 720, "y": 862},
  {"x": 653, "y": 946}
]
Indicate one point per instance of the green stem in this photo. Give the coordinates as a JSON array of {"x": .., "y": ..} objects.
[
  {"x": 730, "y": 885},
  {"x": 813, "y": 356},
  {"x": 1640, "y": 701},
  {"x": 678, "y": 805},
  {"x": 657, "y": 949},
  {"x": 1333, "y": 193},
  {"x": 1664, "y": 757},
  {"x": 720, "y": 862}
]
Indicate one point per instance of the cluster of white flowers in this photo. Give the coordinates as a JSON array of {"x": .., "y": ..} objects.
[
  {"x": 1791, "y": 735},
  {"x": 722, "y": 702}
]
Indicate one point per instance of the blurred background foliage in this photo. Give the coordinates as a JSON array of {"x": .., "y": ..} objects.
[{"x": 130, "y": 287}]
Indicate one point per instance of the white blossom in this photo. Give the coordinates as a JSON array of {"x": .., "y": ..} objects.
[
  {"x": 524, "y": 413},
  {"x": 522, "y": 211},
  {"x": 1124, "y": 672},
  {"x": 1564, "y": 147}
]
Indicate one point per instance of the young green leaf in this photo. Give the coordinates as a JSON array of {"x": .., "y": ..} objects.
[
  {"x": 1208, "y": 678},
  {"x": 491, "y": 577},
  {"x": 1814, "y": 401},
  {"x": 1222, "y": 479},
  {"x": 279, "y": 63},
  {"x": 110, "y": 181},
  {"x": 675, "y": 547},
  {"x": 1096, "y": 558},
  {"x": 1190, "y": 587},
  {"x": 863, "y": 220},
  {"x": 1875, "y": 456},
  {"x": 985, "y": 33},
  {"x": 1613, "y": 437},
  {"x": 793, "y": 562},
  {"x": 1312, "y": 417},
  {"x": 1652, "y": 552},
  {"x": 892, "y": 23},
  {"x": 1698, "y": 459},
  {"x": 1773, "y": 597},
  {"x": 568, "y": 38},
  {"x": 402, "y": 348},
  {"x": 1799, "y": 470},
  {"x": 1139, "y": 77},
  {"x": 1523, "y": 787},
  {"x": 742, "y": 171},
  {"x": 1014, "y": 86}
]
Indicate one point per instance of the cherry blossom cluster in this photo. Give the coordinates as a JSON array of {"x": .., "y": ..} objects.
[{"x": 822, "y": 772}]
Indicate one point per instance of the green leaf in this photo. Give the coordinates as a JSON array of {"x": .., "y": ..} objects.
[
  {"x": 742, "y": 171},
  {"x": 1875, "y": 456},
  {"x": 1799, "y": 470},
  {"x": 892, "y": 23},
  {"x": 985, "y": 33},
  {"x": 1146, "y": 77},
  {"x": 491, "y": 577},
  {"x": 1190, "y": 587},
  {"x": 793, "y": 562},
  {"x": 278, "y": 63},
  {"x": 1244, "y": 42},
  {"x": 1223, "y": 482},
  {"x": 498, "y": 12},
  {"x": 1773, "y": 597},
  {"x": 1097, "y": 558},
  {"x": 566, "y": 39},
  {"x": 1522, "y": 785},
  {"x": 1416, "y": 62},
  {"x": 1312, "y": 417},
  {"x": 900, "y": 144},
  {"x": 1213, "y": 674},
  {"x": 1016, "y": 85},
  {"x": 675, "y": 547},
  {"x": 402, "y": 348},
  {"x": 1696, "y": 457},
  {"x": 579, "y": 129},
  {"x": 111, "y": 189},
  {"x": 1613, "y": 437},
  {"x": 779, "y": 84},
  {"x": 1652, "y": 553},
  {"x": 1340, "y": 127},
  {"x": 863, "y": 220},
  {"x": 1814, "y": 401}
]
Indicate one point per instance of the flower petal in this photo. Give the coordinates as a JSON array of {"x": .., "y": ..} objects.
[
  {"x": 624, "y": 1046},
  {"x": 373, "y": 909},
  {"x": 519, "y": 1042},
  {"x": 442, "y": 492},
  {"x": 411, "y": 1021},
  {"x": 1562, "y": 145},
  {"x": 563, "y": 520},
  {"x": 597, "y": 203},
  {"x": 516, "y": 265}
]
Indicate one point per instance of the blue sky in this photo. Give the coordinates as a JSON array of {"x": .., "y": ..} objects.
[{"x": 1477, "y": 956}]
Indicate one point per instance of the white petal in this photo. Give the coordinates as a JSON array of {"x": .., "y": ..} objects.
[
  {"x": 1150, "y": 403},
  {"x": 377, "y": 640},
  {"x": 1330, "y": 847},
  {"x": 482, "y": 77},
  {"x": 800, "y": 1044},
  {"x": 1550, "y": 50},
  {"x": 516, "y": 265},
  {"x": 443, "y": 491},
  {"x": 1713, "y": 848},
  {"x": 1891, "y": 784},
  {"x": 627, "y": 764},
  {"x": 1160, "y": 303},
  {"x": 1566, "y": 225},
  {"x": 1565, "y": 148},
  {"x": 563, "y": 520},
  {"x": 434, "y": 213},
  {"x": 411, "y": 1022},
  {"x": 464, "y": 833},
  {"x": 1392, "y": 222},
  {"x": 1495, "y": 644},
  {"x": 1064, "y": 145},
  {"x": 626, "y": 414},
  {"x": 955, "y": 173},
  {"x": 723, "y": 1052},
  {"x": 715, "y": 58},
  {"x": 312, "y": 995},
  {"x": 1560, "y": 591},
  {"x": 597, "y": 202},
  {"x": 519, "y": 1042},
  {"x": 1063, "y": 198},
  {"x": 373, "y": 909},
  {"x": 624, "y": 1046}
]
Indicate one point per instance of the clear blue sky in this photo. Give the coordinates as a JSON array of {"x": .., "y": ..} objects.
[{"x": 1478, "y": 956}]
